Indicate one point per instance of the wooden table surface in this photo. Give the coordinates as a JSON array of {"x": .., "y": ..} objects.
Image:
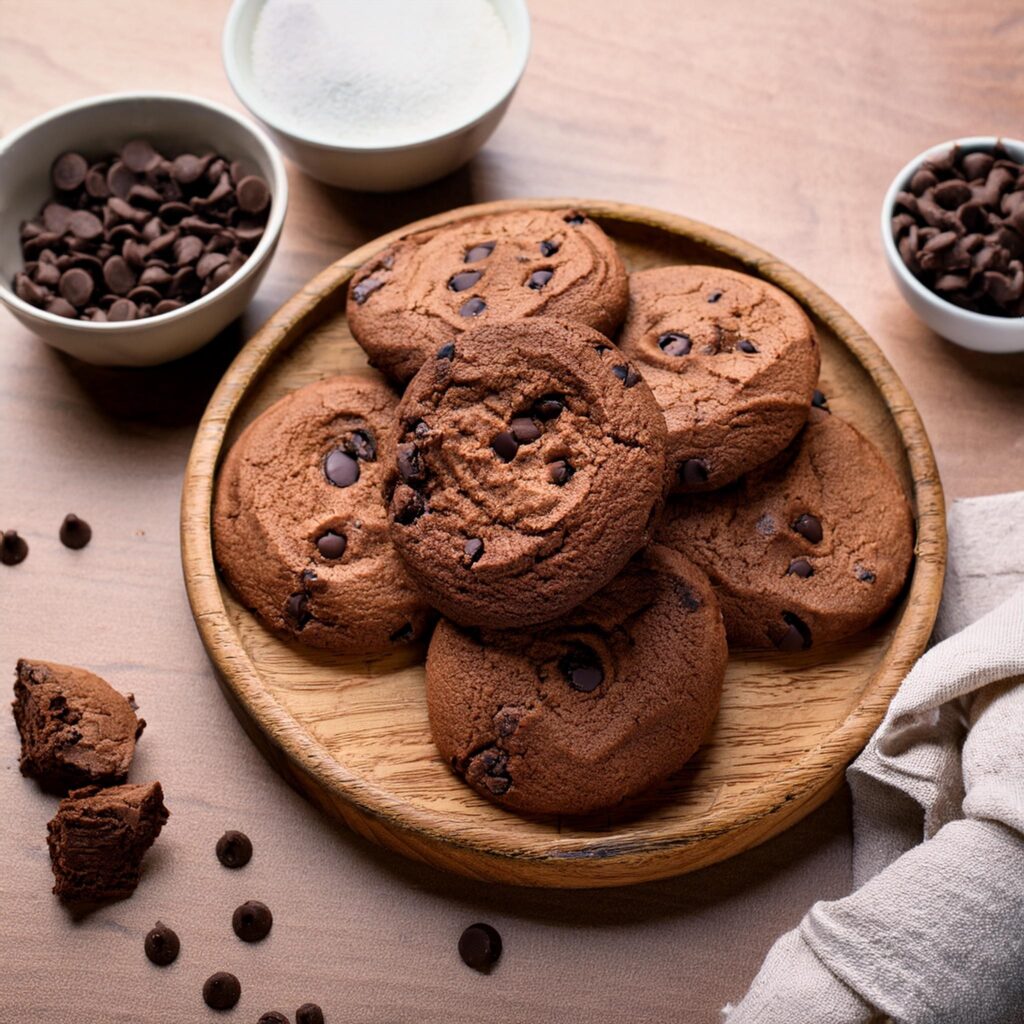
[{"x": 782, "y": 122}]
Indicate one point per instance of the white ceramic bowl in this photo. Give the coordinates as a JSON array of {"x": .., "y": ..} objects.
[
  {"x": 977, "y": 331},
  {"x": 99, "y": 126},
  {"x": 373, "y": 168}
]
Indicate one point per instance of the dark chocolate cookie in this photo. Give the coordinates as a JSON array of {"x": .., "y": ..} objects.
[
  {"x": 299, "y": 526},
  {"x": 812, "y": 547},
  {"x": 76, "y": 729},
  {"x": 426, "y": 289},
  {"x": 529, "y": 469},
  {"x": 733, "y": 362},
  {"x": 585, "y": 711}
]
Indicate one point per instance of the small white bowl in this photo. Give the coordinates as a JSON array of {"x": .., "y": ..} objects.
[
  {"x": 99, "y": 126},
  {"x": 366, "y": 167},
  {"x": 977, "y": 331}
]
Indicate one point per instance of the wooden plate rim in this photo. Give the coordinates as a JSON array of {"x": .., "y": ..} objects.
[{"x": 797, "y": 784}]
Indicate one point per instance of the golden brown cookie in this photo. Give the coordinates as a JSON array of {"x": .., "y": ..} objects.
[
  {"x": 733, "y": 362},
  {"x": 812, "y": 547},
  {"x": 299, "y": 526},
  {"x": 529, "y": 469},
  {"x": 583, "y": 712},
  {"x": 424, "y": 290}
]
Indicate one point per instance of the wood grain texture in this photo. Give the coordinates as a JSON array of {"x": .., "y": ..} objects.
[{"x": 353, "y": 733}]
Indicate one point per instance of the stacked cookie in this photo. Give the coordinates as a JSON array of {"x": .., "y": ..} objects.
[{"x": 580, "y": 512}]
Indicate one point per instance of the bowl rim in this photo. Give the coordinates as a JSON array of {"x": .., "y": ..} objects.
[
  {"x": 275, "y": 222},
  {"x": 968, "y": 143},
  {"x": 230, "y": 39}
]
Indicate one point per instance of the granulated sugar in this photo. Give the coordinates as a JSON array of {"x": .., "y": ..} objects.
[{"x": 379, "y": 72}]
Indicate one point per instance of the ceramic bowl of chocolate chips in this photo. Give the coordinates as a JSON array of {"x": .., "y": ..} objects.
[
  {"x": 135, "y": 227},
  {"x": 953, "y": 234}
]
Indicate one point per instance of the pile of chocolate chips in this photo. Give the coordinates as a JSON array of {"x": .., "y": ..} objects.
[
  {"x": 136, "y": 234},
  {"x": 959, "y": 228}
]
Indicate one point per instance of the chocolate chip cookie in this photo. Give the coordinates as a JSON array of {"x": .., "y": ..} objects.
[
  {"x": 299, "y": 527},
  {"x": 425, "y": 290},
  {"x": 811, "y": 547},
  {"x": 585, "y": 711},
  {"x": 529, "y": 469},
  {"x": 733, "y": 362}
]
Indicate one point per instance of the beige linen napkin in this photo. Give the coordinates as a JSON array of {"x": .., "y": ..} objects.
[{"x": 935, "y": 932}]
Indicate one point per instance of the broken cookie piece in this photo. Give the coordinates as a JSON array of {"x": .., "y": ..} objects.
[
  {"x": 76, "y": 729},
  {"x": 98, "y": 838}
]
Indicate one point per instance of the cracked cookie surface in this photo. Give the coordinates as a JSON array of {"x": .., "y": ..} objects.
[
  {"x": 426, "y": 289},
  {"x": 529, "y": 469},
  {"x": 299, "y": 527},
  {"x": 733, "y": 362},
  {"x": 578, "y": 714},
  {"x": 811, "y": 547}
]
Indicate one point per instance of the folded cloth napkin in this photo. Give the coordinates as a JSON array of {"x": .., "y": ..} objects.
[{"x": 935, "y": 932}]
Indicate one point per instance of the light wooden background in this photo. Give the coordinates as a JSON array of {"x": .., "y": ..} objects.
[{"x": 780, "y": 120}]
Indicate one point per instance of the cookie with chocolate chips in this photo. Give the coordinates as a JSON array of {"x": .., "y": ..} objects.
[
  {"x": 583, "y": 712},
  {"x": 299, "y": 527},
  {"x": 733, "y": 362},
  {"x": 529, "y": 469},
  {"x": 426, "y": 289},
  {"x": 811, "y": 547}
]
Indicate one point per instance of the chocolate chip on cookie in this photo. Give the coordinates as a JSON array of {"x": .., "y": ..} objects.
[{"x": 409, "y": 301}]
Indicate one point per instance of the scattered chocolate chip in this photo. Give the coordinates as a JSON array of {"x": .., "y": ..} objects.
[
  {"x": 252, "y": 921},
  {"x": 296, "y": 608},
  {"x": 548, "y": 248},
  {"x": 473, "y": 307},
  {"x": 505, "y": 445},
  {"x": 13, "y": 549},
  {"x": 864, "y": 575},
  {"x": 479, "y": 252},
  {"x": 332, "y": 545},
  {"x": 582, "y": 668},
  {"x": 309, "y": 1013},
  {"x": 714, "y": 296},
  {"x": 819, "y": 401},
  {"x": 675, "y": 343},
  {"x": 464, "y": 280},
  {"x": 575, "y": 218},
  {"x": 693, "y": 472},
  {"x": 626, "y": 374},
  {"x": 273, "y": 1017},
  {"x": 800, "y": 567},
  {"x": 809, "y": 527},
  {"x": 524, "y": 430},
  {"x": 745, "y": 345},
  {"x": 480, "y": 947},
  {"x": 539, "y": 278},
  {"x": 446, "y": 351},
  {"x": 548, "y": 407},
  {"x": 162, "y": 945},
  {"x": 221, "y": 991},
  {"x": 75, "y": 533},
  {"x": 68, "y": 171},
  {"x": 560, "y": 472},
  {"x": 797, "y": 636},
  {"x": 473, "y": 549},
  {"x": 340, "y": 468}
]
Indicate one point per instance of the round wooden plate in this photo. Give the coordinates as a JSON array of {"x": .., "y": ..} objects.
[{"x": 352, "y": 734}]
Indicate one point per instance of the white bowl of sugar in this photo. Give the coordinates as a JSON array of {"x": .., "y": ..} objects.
[{"x": 377, "y": 95}]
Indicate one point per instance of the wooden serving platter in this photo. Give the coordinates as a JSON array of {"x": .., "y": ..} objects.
[{"x": 352, "y": 734}]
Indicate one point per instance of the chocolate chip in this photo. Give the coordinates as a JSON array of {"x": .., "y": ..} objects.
[
  {"x": 85, "y": 225},
  {"x": 119, "y": 277},
  {"x": 474, "y": 307},
  {"x": 273, "y": 1017},
  {"x": 362, "y": 291},
  {"x": 253, "y": 194},
  {"x": 139, "y": 156},
  {"x": 809, "y": 527},
  {"x": 187, "y": 249},
  {"x": 221, "y": 991},
  {"x": 800, "y": 567},
  {"x": 714, "y": 296},
  {"x": 309, "y": 1013},
  {"x": 409, "y": 464},
  {"x": 362, "y": 445},
  {"x": 560, "y": 472},
  {"x": 446, "y": 351},
  {"x": 252, "y": 921},
  {"x": 951, "y": 194},
  {"x": 13, "y": 549},
  {"x": 473, "y": 549},
  {"x": 162, "y": 945},
  {"x": 575, "y": 218},
  {"x": 745, "y": 345},
  {"x": 864, "y": 575},
  {"x": 693, "y": 472},
  {"x": 480, "y": 947},
  {"x": 797, "y": 636},
  {"x": 524, "y": 430},
  {"x": 922, "y": 180},
  {"x": 68, "y": 171},
  {"x": 187, "y": 168},
  {"x": 479, "y": 252},
  {"x": 331, "y": 544},
  {"x": 75, "y": 533},
  {"x": 977, "y": 165},
  {"x": 819, "y": 401},
  {"x": 488, "y": 770},
  {"x": 340, "y": 468},
  {"x": 122, "y": 309},
  {"x": 28, "y": 291},
  {"x": 674, "y": 343},
  {"x": 421, "y": 429},
  {"x": 626, "y": 374},
  {"x": 582, "y": 668},
  {"x": 409, "y": 506},
  {"x": 539, "y": 278},
  {"x": 76, "y": 285},
  {"x": 61, "y": 307},
  {"x": 505, "y": 445},
  {"x": 549, "y": 407},
  {"x": 296, "y": 608},
  {"x": 548, "y": 248},
  {"x": 464, "y": 280}
]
